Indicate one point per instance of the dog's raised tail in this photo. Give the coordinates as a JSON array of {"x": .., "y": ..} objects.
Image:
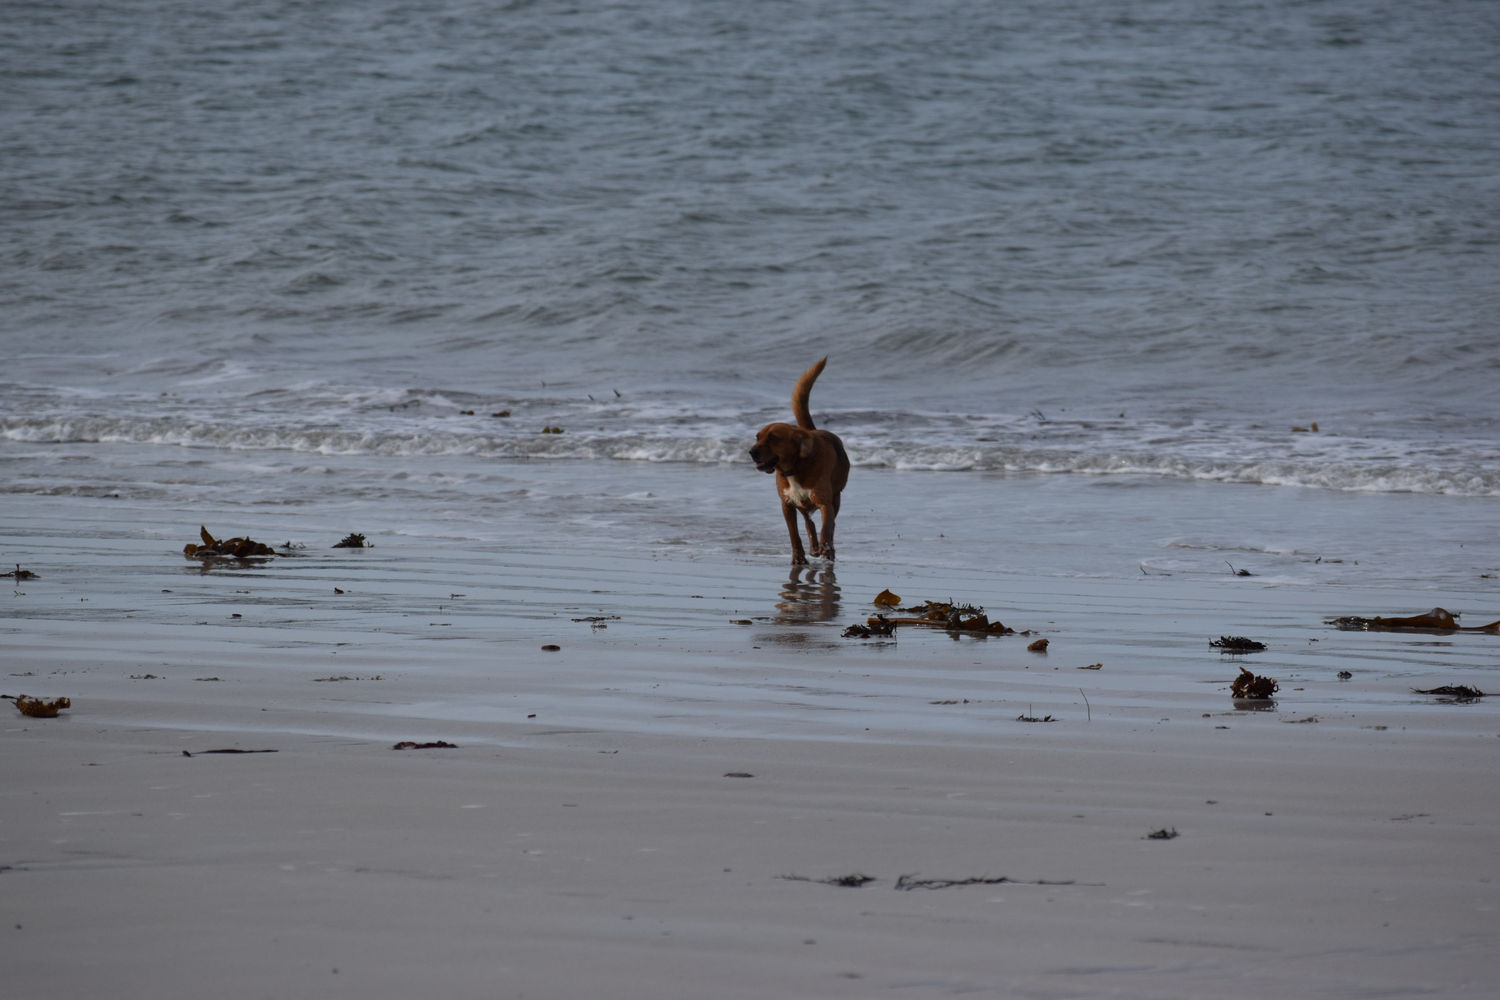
[{"x": 800, "y": 394}]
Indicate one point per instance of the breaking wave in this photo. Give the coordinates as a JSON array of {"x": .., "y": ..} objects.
[{"x": 1343, "y": 464}]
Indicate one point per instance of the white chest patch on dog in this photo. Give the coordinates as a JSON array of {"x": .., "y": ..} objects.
[{"x": 796, "y": 494}]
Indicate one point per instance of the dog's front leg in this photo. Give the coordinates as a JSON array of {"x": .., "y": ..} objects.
[{"x": 799, "y": 557}]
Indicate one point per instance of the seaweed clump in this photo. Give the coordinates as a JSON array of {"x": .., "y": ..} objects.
[
  {"x": 878, "y": 627},
  {"x": 1460, "y": 693},
  {"x": 1253, "y": 687},
  {"x": 1236, "y": 644},
  {"x": 353, "y": 540},
  {"x": 38, "y": 708}
]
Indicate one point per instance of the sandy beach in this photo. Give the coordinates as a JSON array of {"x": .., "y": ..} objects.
[{"x": 706, "y": 790}]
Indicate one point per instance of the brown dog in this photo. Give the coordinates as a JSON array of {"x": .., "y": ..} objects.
[{"x": 811, "y": 469}]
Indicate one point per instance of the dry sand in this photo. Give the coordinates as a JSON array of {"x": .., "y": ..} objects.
[{"x": 651, "y": 810}]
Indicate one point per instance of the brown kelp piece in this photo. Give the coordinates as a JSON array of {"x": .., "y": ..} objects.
[
  {"x": 353, "y": 540},
  {"x": 237, "y": 548},
  {"x": 38, "y": 708},
  {"x": 1436, "y": 620},
  {"x": 886, "y": 599},
  {"x": 950, "y": 616},
  {"x": 1252, "y": 686},
  {"x": 22, "y": 574}
]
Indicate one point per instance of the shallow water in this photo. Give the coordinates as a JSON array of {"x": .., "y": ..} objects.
[{"x": 438, "y": 627}]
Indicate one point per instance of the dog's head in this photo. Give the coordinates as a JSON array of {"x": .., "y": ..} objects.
[{"x": 780, "y": 446}]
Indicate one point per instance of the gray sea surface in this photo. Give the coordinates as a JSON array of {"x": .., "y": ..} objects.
[{"x": 362, "y": 255}]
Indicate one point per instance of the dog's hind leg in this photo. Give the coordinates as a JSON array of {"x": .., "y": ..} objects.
[{"x": 830, "y": 512}]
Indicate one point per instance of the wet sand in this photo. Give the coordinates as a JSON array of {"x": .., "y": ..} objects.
[{"x": 652, "y": 809}]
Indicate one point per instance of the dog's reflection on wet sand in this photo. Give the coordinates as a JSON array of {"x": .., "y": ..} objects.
[{"x": 811, "y": 594}]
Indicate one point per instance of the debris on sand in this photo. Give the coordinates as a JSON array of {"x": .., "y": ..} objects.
[
  {"x": 1436, "y": 620},
  {"x": 38, "y": 708},
  {"x": 436, "y": 745},
  {"x": 851, "y": 881},
  {"x": 187, "y": 753},
  {"x": 906, "y": 883},
  {"x": 214, "y": 548},
  {"x": 1236, "y": 644},
  {"x": 353, "y": 540},
  {"x": 22, "y": 574},
  {"x": 1460, "y": 693},
  {"x": 886, "y": 599},
  {"x": 1253, "y": 687},
  {"x": 1165, "y": 833},
  {"x": 947, "y": 615},
  {"x": 1039, "y": 646}
]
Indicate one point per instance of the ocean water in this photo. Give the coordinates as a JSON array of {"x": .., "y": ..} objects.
[{"x": 1189, "y": 280}]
